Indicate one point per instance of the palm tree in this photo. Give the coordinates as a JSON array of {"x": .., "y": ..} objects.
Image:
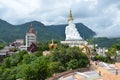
[{"x": 110, "y": 53}]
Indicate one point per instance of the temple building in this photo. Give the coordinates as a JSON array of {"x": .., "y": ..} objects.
[
  {"x": 31, "y": 37},
  {"x": 73, "y": 37},
  {"x": 30, "y": 40}
]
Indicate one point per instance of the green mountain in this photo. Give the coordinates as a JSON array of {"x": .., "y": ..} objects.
[
  {"x": 106, "y": 42},
  {"x": 11, "y": 32}
]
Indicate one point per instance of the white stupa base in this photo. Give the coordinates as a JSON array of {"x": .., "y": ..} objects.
[{"x": 76, "y": 43}]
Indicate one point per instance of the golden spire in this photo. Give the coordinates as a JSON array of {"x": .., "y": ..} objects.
[
  {"x": 52, "y": 41},
  {"x": 70, "y": 18},
  {"x": 31, "y": 29}
]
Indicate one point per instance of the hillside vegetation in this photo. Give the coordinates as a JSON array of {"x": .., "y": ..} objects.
[
  {"x": 24, "y": 66},
  {"x": 11, "y": 32}
]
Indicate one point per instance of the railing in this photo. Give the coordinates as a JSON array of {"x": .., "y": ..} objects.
[{"x": 57, "y": 76}]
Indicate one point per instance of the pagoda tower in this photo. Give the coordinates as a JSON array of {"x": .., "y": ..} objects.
[
  {"x": 31, "y": 37},
  {"x": 71, "y": 31},
  {"x": 73, "y": 37}
]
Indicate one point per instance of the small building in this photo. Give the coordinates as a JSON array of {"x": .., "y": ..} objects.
[
  {"x": 20, "y": 41},
  {"x": 33, "y": 48},
  {"x": 22, "y": 47},
  {"x": 45, "y": 53},
  {"x": 3, "y": 53},
  {"x": 30, "y": 39},
  {"x": 102, "y": 51}
]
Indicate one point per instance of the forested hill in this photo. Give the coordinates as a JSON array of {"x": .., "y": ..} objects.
[
  {"x": 106, "y": 42},
  {"x": 9, "y": 32}
]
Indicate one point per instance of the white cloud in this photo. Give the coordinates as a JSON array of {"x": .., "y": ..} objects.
[{"x": 102, "y": 16}]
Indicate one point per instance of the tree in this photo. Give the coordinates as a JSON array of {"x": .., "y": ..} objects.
[
  {"x": 27, "y": 58},
  {"x": 101, "y": 58},
  {"x": 55, "y": 67},
  {"x": 68, "y": 56},
  {"x": 37, "y": 67},
  {"x": 43, "y": 46},
  {"x": 17, "y": 58},
  {"x": 116, "y": 46},
  {"x": 111, "y": 52},
  {"x": 38, "y": 53},
  {"x": 72, "y": 64},
  {"x": 36, "y": 70},
  {"x": 15, "y": 49},
  {"x": 29, "y": 73},
  {"x": 2, "y": 45},
  {"x": 40, "y": 67},
  {"x": 6, "y": 63},
  {"x": 6, "y": 75}
]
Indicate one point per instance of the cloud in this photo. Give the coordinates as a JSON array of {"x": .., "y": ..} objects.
[{"x": 102, "y": 16}]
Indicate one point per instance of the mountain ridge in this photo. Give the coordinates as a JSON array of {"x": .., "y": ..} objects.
[{"x": 10, "y": 32}]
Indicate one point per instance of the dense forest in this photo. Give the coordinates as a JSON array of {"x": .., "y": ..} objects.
[
  {"x": 38, "y": 67},
  {"x": 105, "y": 42}
]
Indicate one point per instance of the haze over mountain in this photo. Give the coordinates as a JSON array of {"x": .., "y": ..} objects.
[{"x": 11, "y": 32}]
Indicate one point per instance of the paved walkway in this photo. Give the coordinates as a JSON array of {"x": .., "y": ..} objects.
[{"x": 106, "y": 75}]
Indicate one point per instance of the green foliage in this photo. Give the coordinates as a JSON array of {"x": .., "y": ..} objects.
[
  {"x": 2, "y": 45},
  {"x": 27, "y": 59},
  {"x": 19, "y": 71},
  {"x": 62, "y": 46},
  {"x": 102, "y": 58},
  {"x": 40, "y": 67},
  {"x": 16, "y": 58},
  {"x": 55, "y": 67},
  {"x": 116, "y": 46},
  {"x": 7, "y": 75},
  {"x": 36, "y": 70},
  {"x": 72, "y": 64},
  {"x": 43, "y": 46},
  {"x": 6, "y": 63},
  {"x": 106, "y": 42},
  {"x": 111, "y": 53},
  {"x": 38, "y": 53},
  {"x": 28, "y": 73},
  {"x": 26, "y": 66},
  {"x": 15, "y": 49},
  {"x": 67, "y": 56},
  {"x": 13, "y": 60}
]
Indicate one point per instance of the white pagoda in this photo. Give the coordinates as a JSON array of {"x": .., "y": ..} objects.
[
  {"x": 31, "y": 37},
  {"x": 73, "y": 37}
]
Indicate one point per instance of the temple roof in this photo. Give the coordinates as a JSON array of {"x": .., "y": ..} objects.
[{"x": 31, "y": 30}]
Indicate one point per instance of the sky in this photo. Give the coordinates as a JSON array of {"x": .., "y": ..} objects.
[{"x": 102, "y": 16}]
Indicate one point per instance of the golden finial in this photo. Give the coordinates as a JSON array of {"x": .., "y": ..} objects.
[
  {"x": 52, "y": 41},
  {"x": 52, "y": 45},
  {"x": 31, "y": 29},
  {"x": 70, "y": 18}
]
